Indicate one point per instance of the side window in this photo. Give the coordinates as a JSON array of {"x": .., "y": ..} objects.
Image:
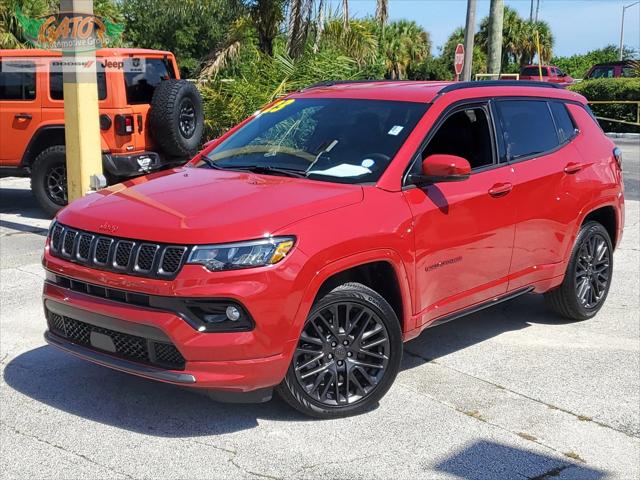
[
  {"x": 631, "y": 72},
  {"x": 467, "y": 134},
  {"x": 564, "y": 123},
  {"x": 55, "y": 84},
  {"x": 141, "y": 85},
  {"x": 17, "y": 80},
  {"x": 603, "y": 72},
  {"x": 527, "y": 127}
]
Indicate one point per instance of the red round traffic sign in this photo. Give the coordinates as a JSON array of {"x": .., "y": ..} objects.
[{"x": 458, "y": 62}]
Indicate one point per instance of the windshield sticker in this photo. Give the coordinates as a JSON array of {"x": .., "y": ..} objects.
[
  {"x": 343, "y": 170},
  {"x": 395, "y": 130},
  {"x": 279, "y": 106},
  {"x": 367, "y": 163}
]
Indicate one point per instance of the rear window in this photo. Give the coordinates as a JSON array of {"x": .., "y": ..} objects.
[
  {"x": 631, "y": 72},
  {"x": 533, "y": 72},
  {"x": 55, "y": 84},
  {"x": 528, "y": 128},
  {"x": 141, "y": 85},
  {"x": 17, "y": 80},
  {"x": 564, "y": 124}
]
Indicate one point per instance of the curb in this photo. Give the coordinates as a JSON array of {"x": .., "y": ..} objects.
[{"x": 634, "y": 136}]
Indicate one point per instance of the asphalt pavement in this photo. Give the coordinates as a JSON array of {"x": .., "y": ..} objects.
[{"x": 510, "y": 392}]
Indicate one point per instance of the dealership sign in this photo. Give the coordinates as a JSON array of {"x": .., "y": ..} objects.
[{"x": 69, "y": 31}]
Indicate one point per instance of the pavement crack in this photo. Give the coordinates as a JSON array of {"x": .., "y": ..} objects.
[
  {"x": 305, "y": 468},
  {"x": 60, "y": 447},
  {"x": 554, "y": 472},
  {"x": 523, "y": 395},
  {"x": 233, "y": 454}
]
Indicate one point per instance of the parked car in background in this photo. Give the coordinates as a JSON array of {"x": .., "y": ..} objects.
[
  {"x": 550, "y": 74},
  {"x": 302, "y": 248},
  {"x": 149, "y": 118},
  {"x": 623, "y": 69}
]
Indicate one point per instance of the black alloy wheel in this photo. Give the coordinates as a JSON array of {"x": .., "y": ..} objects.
[
  {"x": 592, "y": 270},
  {"x": 187, "y": 118},
  {"x": 56, "y": 184},
  {"x": 347, "y": 356},
  {"x": 586, "y": 283}
]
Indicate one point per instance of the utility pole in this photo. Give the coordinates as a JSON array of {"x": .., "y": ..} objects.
[
  {"x": 496, "y": 20},
  {"x": 531, "y": 11},
  {"x": 81, "y": 122},
  {"x": 624, "y": 8},
  {"x": 537, "y": 9},
  {"x": 469, "y": 32}
]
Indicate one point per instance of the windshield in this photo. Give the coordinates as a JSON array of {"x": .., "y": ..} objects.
[{"x": 336, "y": 140}]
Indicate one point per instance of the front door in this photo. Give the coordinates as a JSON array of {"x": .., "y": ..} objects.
[
  {"x": 463, "y": 230},
  {"x": 19, "y": 108}
]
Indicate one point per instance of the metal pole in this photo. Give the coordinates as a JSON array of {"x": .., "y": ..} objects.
[
  {"x": 624, "y": 8},
  {"x": 469, "y": 32},
  {"x": 82, "y": 128}
]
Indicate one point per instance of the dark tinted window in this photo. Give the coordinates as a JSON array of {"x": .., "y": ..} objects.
[
  {"x": 465, "y": 134},
  {"x": 17, "y": 80},
  {"x": 55, "y": 84},
  {"x": 564, "y": 124},
  {"x": 141, "y": 85},
  {"x": 631, "y": 72},
  {"x": 527, "y": 126},
  {"x": 534, "y": 72},
  {"x": 603, "y": 72}
]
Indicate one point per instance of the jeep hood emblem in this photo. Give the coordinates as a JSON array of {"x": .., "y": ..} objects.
[{"x": 107, "y": 227}]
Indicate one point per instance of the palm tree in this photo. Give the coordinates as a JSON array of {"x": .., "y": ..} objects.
[
  {"x": 404, "y": 43},
  {"x": 359, "y": 40},
  {"x": 267, "y": 16},
  {"x": 382, "y": 13},
  {"x": 345, "y": 14}
]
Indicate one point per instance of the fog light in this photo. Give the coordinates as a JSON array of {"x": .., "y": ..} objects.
[{"x": 233, "y": 313}]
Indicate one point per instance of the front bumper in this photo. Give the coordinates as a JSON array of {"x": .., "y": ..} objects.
[{"x": 135, "y": 164}]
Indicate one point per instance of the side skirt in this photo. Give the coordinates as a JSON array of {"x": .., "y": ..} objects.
[{"x": 482, "y": 306}]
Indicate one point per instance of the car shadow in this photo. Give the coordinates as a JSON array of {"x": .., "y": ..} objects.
[
  {"x": 107, "y": 396},
  {"x": 20, "y": 202},
  {"x": 128, "y": 402},
  {"x": 459, "y": 334},
  {"x": 488, "y": 460}
]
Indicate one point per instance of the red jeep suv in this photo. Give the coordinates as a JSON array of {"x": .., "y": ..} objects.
[{"x": 301, "y": 249}]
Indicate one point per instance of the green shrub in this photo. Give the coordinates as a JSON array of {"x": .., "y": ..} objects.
[{"x": 613, "y": 89}]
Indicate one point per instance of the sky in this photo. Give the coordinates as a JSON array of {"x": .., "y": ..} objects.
[{"x": 578, "y": 25}]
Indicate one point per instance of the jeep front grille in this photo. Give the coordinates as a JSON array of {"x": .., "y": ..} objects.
[
  {"x": 130, "y": 347},
  {"x": 120, "y": 255}
]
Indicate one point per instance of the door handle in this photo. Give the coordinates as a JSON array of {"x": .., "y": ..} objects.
[
  {"x": 572, "y": 167},
  {"x": 23, "y": 116},
  {"x": 500, "y": 189}
]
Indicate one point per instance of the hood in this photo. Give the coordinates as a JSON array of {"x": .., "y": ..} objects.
[{"x": 197, "y": 206}]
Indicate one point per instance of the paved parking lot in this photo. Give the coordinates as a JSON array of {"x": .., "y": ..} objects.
[{"x": 511, "y": 392}]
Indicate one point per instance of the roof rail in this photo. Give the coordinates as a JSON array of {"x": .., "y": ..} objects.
[{"x": 497, "y": 83}]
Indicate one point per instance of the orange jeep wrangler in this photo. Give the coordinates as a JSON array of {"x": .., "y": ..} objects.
[{"x": 149, "y": 118}]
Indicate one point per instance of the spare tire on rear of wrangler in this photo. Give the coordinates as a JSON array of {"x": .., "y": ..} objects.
[{"x": 176, "y": 118}]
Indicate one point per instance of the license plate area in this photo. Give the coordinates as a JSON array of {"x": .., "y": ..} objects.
[{"x": 102, "y": 342}]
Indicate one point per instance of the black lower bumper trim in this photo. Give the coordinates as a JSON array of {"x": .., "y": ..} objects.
[{"x": 118, "y": 363}]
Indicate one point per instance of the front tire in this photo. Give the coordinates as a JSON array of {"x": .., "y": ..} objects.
[
  {"x": 348, "y": 355},
  {"x": 49, "y": 179},
  {"x": 588, "y": 277}
]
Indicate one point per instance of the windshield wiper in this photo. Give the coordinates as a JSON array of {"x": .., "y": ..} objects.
[{"x": 268, "y": 170}]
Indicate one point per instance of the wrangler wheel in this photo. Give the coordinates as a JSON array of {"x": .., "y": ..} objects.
[{"x": 348, "y": 354}]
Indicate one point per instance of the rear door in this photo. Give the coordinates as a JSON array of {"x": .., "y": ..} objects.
[
  {"x": 463, "y": 230},
  {"x": 140, "y": 86},
  {"x": 537, "y": 143},
  {"x": 20, "y": 111}
]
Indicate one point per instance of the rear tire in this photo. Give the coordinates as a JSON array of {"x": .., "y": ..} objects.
[
  {"x": 348, "y": 355},
  {"x": 176, "y": 118},
  {"x": 49, "y": 179},
  {"x": 588, "y": 277}
]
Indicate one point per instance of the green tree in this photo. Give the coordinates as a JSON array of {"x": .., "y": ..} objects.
[
  {"x": 191, "y": 29},
  {"x": 403, "y": 44}
]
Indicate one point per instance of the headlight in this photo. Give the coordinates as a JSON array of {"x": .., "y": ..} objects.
[{"x": 231, "y": 256}]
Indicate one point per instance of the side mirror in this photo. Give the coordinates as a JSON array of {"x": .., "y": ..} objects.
[{"x": 442, "y": 168}]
